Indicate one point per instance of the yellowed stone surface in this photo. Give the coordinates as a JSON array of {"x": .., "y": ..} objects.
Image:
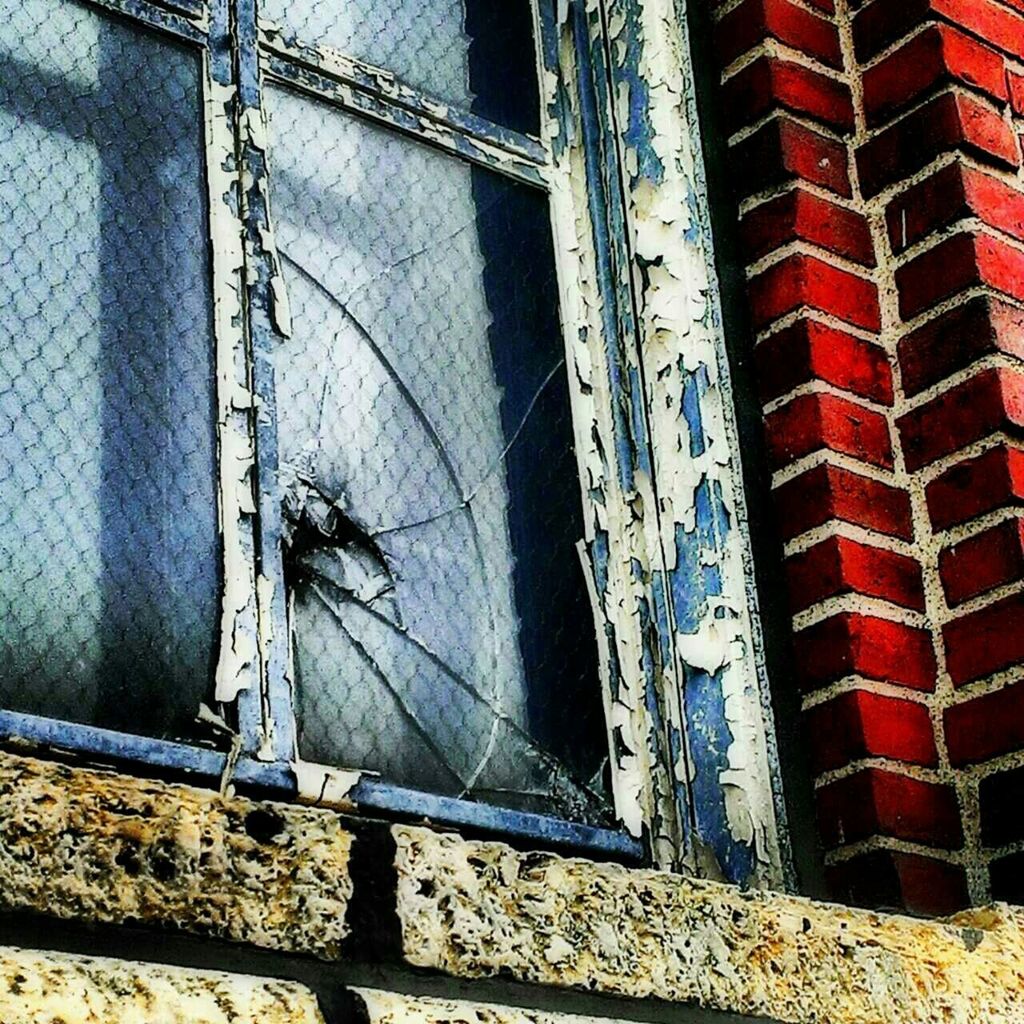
[
  {"x": 477, "y": 909},
  {"x": 47, "y": 988},
  {"x": 98, "y": 846}
]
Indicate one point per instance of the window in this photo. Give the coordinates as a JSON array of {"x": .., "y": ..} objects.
[{"x": 287, "y": 408}]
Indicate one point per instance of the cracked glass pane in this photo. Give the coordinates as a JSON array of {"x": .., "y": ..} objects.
[
  {"x": 474, "y": 54},
  {"x": 108, "y": 538},
  {"x": 442, "y": 631}
]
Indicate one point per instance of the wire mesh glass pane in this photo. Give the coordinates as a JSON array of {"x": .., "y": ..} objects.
[
  {"x": 442, "y": 631},
  {"x": 475, "y": 54},
  {"x": 108, "y": 538}
]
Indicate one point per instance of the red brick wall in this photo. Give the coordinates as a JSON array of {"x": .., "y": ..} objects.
[{"x": 876, "y": 155}]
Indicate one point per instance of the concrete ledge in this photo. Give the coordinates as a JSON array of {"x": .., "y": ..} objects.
[
  {"x": 103, "y": 847},
  {"x": 46, "y": 988},
  {"x": 480, "y": 909}
]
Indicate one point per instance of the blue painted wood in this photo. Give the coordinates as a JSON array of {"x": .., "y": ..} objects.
[{"x": 170, "y": 18}]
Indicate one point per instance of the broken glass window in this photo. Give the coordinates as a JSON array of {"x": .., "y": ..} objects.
[
  {"x": 109, "y": 558},
  {"x": 442, "y": 631},
  {"x": 475, "y": 54}
]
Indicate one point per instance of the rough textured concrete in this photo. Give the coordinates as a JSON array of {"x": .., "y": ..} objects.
[
  {"x": 104, "y": 847},
  {"x": 95, "y": 846},
  {"x": 479, "y": 909},
  {"x": 396, "y": 1008},
  {"x": 47, "y": 988}
]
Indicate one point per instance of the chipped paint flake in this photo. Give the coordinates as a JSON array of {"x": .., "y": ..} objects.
[{"x": 323, "y": 786}]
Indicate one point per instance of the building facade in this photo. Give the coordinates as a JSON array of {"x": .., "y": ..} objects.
[{"x": 512, "y": 514}]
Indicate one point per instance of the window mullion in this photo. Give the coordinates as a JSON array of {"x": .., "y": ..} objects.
[
  {"x": 245, "y": 659},
  {"x": 622, "y": 553},
  {"x": 267, "y": 321}
]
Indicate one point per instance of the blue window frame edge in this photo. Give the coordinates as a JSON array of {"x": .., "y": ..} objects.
[{"x": 367, "y": 794}]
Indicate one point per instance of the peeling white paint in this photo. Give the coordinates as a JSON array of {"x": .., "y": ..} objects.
[
  {"x": 324, "y": 786},
  {"x": 237, "y": 664}
]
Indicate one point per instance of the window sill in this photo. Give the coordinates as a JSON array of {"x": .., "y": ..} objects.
[{"x": 101, "y": 847}]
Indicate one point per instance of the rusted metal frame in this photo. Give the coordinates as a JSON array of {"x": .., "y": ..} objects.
[
  {"x": 707, "y": 582},
  {"x": 390, "y": 91},
  {"x": 520, "y": 162},
  {"x": 266, "y": 321},
  {"x": 611, "y": 439},
  {"x": 187, "y": 21}
]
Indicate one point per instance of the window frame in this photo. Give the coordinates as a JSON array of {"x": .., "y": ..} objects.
[{"x": 579, "y": 161}]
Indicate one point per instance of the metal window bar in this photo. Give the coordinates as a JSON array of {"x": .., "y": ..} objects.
[{"x": 234, "y": 47}]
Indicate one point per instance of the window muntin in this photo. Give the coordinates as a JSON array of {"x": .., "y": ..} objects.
[
  {"x": 474, "y": 54},
  {"x": 110, "y": 571},
  {"x": 251, "y": 320}
]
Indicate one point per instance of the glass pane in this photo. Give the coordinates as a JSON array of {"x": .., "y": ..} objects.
[
  {"x": 443, "y": 635},
  {"x": 108, "y": 537},
  {"x": 474, "y": 54}
]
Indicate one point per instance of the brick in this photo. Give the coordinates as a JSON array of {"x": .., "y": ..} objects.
[
  {"x": 874, "y": 802},
  {"x": 769, "y": 82},
  {"x": 860, "y": 724},
  {"x": 800, "y": 281},
  {"x": 810, "y": 423},
  {"x": 1015, "y": 83},
  {"x": 1000, "y": 797},
  {"x": 962, "y": 261},
  {"x": 983, "y": 562},
  {"x": 808, "y": 350},
  {"x": 892, "y": 880},
  {"x": 831, "y": 492},
  {"x": 799, "y": 216},
  {"x": 986, "y": 726},
  {"x": 957, "y": 338},
  {"x": 938, "y": 56},
  {"x": 881, "y": 24},
  {"x": 992, "y": 480},
  {"x": 1007, "y": 877},
  {"x": 990, "y": 401},
  {"x": 985, "y": 641},
  {"x": 950, "y": 121},
  {"x": 853, "y": 644},
  {"x": 949, "y": 195},
  {"x": 783, "y": 150},
  {"x": 838, "y": 565},
  {"x": 753, "y": 21}
]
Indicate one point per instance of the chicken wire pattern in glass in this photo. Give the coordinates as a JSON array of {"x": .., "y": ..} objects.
[
  {"x": 442, "y": 632},
  {"x": 108, "y": 539},
  {"x": 475, "y": 54}
]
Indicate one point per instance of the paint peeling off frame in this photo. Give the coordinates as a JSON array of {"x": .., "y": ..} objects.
[
  {"x": 665, "y": 550},
  {"x": 717, "y": 709},
  {"x": 187, "y": 21},
  {"x": 324, "y": 786}
]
